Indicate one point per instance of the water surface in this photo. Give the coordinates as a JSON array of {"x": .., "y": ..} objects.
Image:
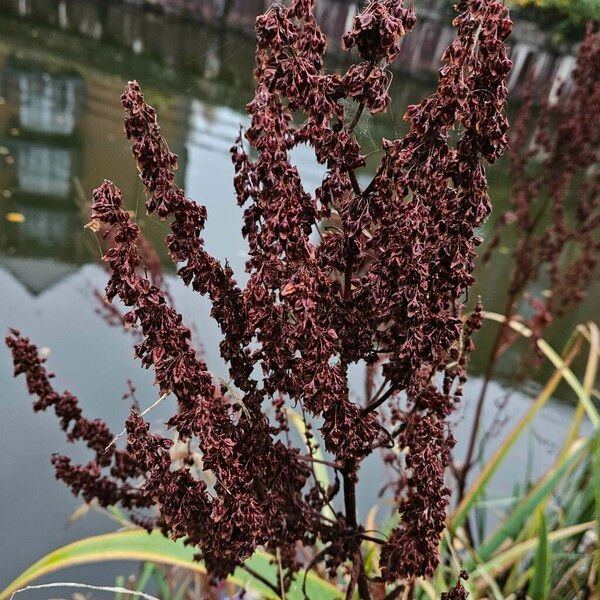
[{"x": 60, "y": 135}]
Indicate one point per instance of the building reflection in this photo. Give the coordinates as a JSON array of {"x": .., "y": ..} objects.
[
  {"x": 61, "y": 134},
  {"x": 130, "y": 25},
  {"x": 40, "y": 139}
]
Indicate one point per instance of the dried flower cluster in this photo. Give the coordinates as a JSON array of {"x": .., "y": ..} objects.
[
  {"x": 555, "y": 196},
  {"x": 457, "y": 592},
  {"x": 383, "y": 286},
  {"x": 86, "y": 480},
  {"x": 554, "y": 213}
]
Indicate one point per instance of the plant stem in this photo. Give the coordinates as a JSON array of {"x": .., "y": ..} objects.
[
  {"x": 351, "y": 521},
  {"x": 349, "y": 482},
  {"x": 378, "y": 401},
  {"x": 327, "y": 463},
  {"x": 395, "y": 592},
  {"x": 489, "y": 372},
  {"x": 260, "y": 578}
]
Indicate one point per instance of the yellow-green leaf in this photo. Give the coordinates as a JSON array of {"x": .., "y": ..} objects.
[{"x": 138, "y": 545}]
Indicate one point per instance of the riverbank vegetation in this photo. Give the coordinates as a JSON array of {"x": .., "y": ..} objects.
[{"x": 253, "y": 483}]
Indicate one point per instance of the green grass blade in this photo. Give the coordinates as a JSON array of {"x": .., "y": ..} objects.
[
  {"x": 516, "y": 552},
  {"x": 143, "y": 579},
  {"x": 591, "y": 333},
  {"x": 491, "y": 466},
  {"x": 119, "y": 582},
  {"x": 541, "y": 565},
  {"x": 596, "y": 487},
  {"x": 161, "y": 584},
  {"x": 154, "y": 547},
  {"x": 510, "y": 528},
  {"x": 555, "y": 359}
]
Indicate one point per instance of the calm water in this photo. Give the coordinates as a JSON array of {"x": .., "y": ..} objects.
[{"x": 60, "y": 135}]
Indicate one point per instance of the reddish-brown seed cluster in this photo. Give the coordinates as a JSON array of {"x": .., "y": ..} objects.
[
  {"x": 553, "y": 167},
  {"x": 382, "y": 284},
  {"x": 436, "y": 196},
  {"x": 457, "y": 592},
  {"x": 257, "y": 495},
  {"x": 87, "y": 480},
  {"x": 378, "y": 30},
  {"x": 111, "y": 313}
]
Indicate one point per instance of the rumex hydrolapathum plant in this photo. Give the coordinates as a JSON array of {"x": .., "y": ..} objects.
[
  {"x": 385, "y": 285},
  {"x": 554, "y": 209},
  {"x": 555, "y": 195},
  {"x": 566, "y": 141}
]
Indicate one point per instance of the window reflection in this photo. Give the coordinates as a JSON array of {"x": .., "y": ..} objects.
[
  {"x": 48, "y": 104},
  {"x": 40, "y": 135},
  {"x": 42, "y": 169}
]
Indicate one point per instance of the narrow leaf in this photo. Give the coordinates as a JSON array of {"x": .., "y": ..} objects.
[
  {"x": 154, "y": 547},
  {"x": 541, "y": 565},
  {"x": 491, "y": 466},
  {"x": 529, "y": 504}
]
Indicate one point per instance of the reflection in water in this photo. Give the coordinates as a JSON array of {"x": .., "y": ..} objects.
[
  {"x": 61, "y": 131},
  {"x": 47, "y": 103},
  {"x": 42, "y": 169},
  {"x": 141, "y": 31},
  {"x": 43, "y": 157}
]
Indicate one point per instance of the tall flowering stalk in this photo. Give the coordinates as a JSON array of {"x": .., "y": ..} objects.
[
  {"x": 554, "y": 209},
  {"x": 385, "y": 287}
]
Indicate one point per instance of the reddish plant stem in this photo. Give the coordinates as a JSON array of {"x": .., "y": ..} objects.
[
  {"x": 348, "y": 479},
  {"x": 356, "y": 189},
  {"x": 359, "y": 112},
  {"x": 515, "y": 290},
  {"x": 260, "y": 578},
  {"x": 351, "y": 521},
  {"x": 373, "y": 181},
  {"x": 361, "y": 106},
  {"x": 489, "y": 372},
  {"x": 378, "y": 401},
  {"x": 370, "y": 538},
  {"x": 327, "y": 463},
  {"x": 350, "y": 484},
  {"x": 354, "y": 182},
  {"x": 395, "y": 592}
]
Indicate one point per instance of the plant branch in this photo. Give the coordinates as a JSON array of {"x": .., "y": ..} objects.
[
  {"x": 260, "y": 578},
  {"x": 350, "y": 508},
  {"x": 327, "y": 463},
  {"x": 378, "y": 401}
]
